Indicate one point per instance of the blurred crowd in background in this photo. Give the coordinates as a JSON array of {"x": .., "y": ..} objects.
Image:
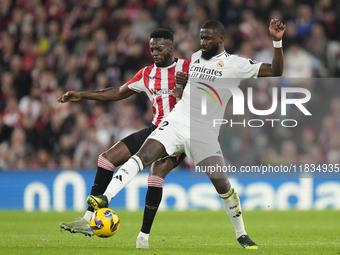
[{"x": 48, "y": 47}]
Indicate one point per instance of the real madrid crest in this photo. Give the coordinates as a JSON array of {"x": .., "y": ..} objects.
[{"x": 220, "y": 63}]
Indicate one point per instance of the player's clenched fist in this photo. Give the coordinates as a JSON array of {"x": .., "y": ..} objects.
[
  {"x": 70, "y": 96},
  {"x": 177, "y": 92},
  {"x": 181, "y": 78},
  {"x": 276, "y": 29}
]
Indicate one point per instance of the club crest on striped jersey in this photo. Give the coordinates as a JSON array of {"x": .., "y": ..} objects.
[{"x": 220, "y": 63}]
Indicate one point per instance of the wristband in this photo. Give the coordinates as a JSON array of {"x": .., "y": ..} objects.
[{"x": 277, "y": 44}]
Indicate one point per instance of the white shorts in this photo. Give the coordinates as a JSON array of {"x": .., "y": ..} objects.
[{"x": 177, "y": 137}]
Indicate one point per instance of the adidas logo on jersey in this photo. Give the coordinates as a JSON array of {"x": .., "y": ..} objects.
[
  {"x": 197, "y": 61},
  {"x": 252, "y": 62},
  {"x": 119, "y": 177},
  {"x": 151, "y": 77}
]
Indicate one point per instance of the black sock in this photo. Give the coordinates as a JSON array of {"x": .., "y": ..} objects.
[
  {"x": 152, "y": 201},
  {"x": 101, "y": 181}
]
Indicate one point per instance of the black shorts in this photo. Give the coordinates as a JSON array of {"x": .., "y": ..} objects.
[{"x": 136, "y": 140}]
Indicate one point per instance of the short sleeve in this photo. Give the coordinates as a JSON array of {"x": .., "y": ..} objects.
[
  {"x": 137, "y": 82},
  {"x": 246, "y": 67}
]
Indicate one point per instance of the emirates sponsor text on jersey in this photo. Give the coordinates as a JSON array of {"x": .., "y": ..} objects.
[{"x": 201, "y": 72}]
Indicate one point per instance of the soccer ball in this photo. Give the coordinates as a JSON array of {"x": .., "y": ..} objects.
[{"x": 104, "y": 222}]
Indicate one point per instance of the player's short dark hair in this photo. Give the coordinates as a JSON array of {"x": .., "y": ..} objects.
[
  {"x": 162, "y": 33},
  {"x": 214, "y": 25}
]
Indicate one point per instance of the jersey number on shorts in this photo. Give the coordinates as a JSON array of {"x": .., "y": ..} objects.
[{"x": 164, "y": 124}]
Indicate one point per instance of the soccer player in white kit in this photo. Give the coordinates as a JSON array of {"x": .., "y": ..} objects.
[{"x": 185, "y": 131}]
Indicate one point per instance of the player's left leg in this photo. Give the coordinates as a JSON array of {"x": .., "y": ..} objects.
[
  {"x": 230, "y": 200},
  {"x": 158, "y": 171}
]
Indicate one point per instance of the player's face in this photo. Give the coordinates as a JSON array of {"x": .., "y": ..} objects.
[
  {"x": 161, "y": 51},
  {"x": 210, "y": 43}
]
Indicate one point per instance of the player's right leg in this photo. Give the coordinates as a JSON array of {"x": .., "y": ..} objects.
[{"x": 107, "y": 161}]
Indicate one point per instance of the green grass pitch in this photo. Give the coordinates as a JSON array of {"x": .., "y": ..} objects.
[{"x": 189, "y": 232}]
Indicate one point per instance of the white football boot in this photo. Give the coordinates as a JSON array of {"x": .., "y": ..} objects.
[{"x": 78, "y": 226}]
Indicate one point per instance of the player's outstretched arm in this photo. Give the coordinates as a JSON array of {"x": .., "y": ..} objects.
[
  {"x": 108, "y": 94},
  {"x": 276, "y": 30}
]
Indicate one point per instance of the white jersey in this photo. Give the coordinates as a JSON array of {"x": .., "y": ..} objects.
[
  {"x": 189, "y": 127},
  {"x": 207, "y": 84}
]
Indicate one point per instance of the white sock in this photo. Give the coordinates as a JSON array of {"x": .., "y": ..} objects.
[
  {"x": 232, "y": 205},
  {"x": 123, "y": 176},
  {"x": 88, "y": 216},
  {"x": 141, "y": 234}
]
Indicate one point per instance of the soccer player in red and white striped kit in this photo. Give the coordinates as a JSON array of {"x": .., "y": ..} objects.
[{"x": 158, "y": 82}]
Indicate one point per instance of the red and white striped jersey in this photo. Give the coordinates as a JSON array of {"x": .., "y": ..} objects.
[{"x": 157, "y": 83}]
